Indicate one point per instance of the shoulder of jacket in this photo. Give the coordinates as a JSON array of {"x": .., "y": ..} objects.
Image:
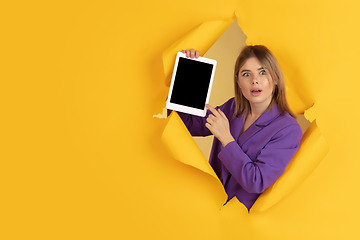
[
  {"x": 228, "y": 105},
  {"x": 286, "y": 121},
  {"x": 231, "y": 102}
]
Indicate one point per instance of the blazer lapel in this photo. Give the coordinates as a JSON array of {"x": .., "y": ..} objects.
[
  {"x": 252, "y": 130},
  {"x": 265, "y": 119}
]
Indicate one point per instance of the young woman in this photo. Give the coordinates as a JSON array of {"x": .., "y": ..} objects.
[{"x": 256, "y": 133}]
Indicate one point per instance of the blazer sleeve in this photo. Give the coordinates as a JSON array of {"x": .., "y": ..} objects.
[
  {"x": 256, "y": 175},
  {"x": 196, "y": 124}
]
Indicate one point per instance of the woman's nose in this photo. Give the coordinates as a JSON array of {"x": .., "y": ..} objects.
[{"x": 255, "y": 81}]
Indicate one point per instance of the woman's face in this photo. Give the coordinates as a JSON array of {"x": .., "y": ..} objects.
[{"x": 256, "y": 83}]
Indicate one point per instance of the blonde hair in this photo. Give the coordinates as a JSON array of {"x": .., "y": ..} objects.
[{"x": 268, "y": 61}]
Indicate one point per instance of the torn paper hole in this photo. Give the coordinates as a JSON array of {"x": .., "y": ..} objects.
[{"x": 225, "y": 50}]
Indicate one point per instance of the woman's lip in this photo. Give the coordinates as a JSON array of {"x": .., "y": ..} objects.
[
  {"x": 255, "y": 93},
  {"x": 254, "y": 89}
]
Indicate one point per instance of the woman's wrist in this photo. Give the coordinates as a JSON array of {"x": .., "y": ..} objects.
[{"x": 227, "y": 140}]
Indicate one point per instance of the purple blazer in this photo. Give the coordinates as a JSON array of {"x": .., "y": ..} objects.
[{"x": 257, "y": 157}]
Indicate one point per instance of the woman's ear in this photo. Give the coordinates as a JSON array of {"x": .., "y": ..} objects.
[{"x": 237, "y": 81}]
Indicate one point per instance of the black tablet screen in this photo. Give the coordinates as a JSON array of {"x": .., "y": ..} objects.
[{"x": 191, "y": 83}]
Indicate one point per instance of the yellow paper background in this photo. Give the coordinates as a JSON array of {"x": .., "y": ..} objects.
[{"x": 81, "y": 154}]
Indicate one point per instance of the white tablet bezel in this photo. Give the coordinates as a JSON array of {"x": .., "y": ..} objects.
[{"x": 186, "y": 109}]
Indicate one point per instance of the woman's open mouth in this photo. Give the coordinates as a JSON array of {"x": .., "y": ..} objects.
[{"x": 256, "y": 92}]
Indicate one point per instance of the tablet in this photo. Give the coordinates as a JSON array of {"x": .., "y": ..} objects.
[{"x": 191, "y": 84}]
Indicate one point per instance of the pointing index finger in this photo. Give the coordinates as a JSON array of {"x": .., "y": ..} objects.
[{"x": 213, "y": 110}]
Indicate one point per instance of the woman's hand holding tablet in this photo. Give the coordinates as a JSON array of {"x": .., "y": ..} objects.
[{"x": 191, "y": 53}]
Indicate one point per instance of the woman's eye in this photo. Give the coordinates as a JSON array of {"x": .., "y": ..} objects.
[
  {"x": 263, "y": 72},
  {"x": 246, "y": 74}
]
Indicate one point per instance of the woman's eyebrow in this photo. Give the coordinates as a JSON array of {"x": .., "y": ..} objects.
[{"x": 247, "y": 70}]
